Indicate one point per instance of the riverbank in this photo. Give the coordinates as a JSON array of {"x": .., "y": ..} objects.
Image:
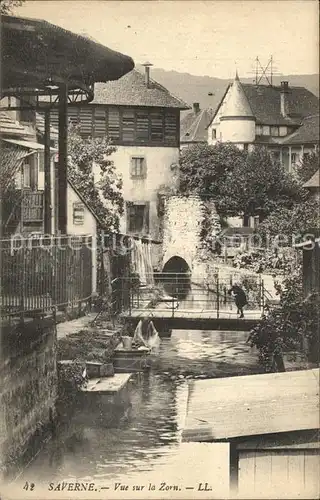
[{"x": 85, "y": 341}]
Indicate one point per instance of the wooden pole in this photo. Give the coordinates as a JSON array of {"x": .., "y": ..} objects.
[
  {"x": 47, "y": 174},
  {"x": 63, "y": 158}
]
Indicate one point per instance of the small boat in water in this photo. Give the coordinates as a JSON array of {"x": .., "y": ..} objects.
[{"x": 146, "y": 334}]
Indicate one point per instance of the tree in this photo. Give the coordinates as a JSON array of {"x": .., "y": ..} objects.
[
  {"x": 7, "y": 6},
  {"x": 203, "y": 168},
  {"x": 94, "y": 175},
  {"x": 243, "y": 183},
  {"x": 291, "y": 326},
  {"x": 258, "y": 186},
  {"x": 308, "y": 166},
  {"x": 290, "y": 224}
]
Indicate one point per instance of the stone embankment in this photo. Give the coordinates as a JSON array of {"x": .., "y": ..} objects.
[{"x": 82, "y": 344}]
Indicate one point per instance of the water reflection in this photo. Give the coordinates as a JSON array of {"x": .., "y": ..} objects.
[{"x": 142, "y": 427}]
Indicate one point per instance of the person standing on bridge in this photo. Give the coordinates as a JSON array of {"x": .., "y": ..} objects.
[{"x": 240, "y": 298}]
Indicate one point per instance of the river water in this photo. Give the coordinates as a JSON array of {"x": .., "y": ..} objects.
[{"x": 141, "y": 430}]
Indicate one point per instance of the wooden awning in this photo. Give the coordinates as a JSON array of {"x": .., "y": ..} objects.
[
  {"x": 253, "y": 405},
  {"x": 10, "y": 161},
  {"x": 36, "y": 54}
]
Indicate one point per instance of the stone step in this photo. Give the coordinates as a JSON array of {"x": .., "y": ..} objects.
[
  {"x": 96, "y": 369},
  {"x": 108, "y": 385}
]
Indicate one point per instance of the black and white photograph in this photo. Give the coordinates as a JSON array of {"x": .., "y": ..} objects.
[{"x": 159, "y": 250}]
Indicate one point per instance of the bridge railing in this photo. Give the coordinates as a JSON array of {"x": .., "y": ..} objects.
[{"x": 174, "y": 292}]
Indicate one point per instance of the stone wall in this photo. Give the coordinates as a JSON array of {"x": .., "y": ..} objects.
[
  {"x": 185, "y": 218},
  {"x": 28, "y": 390}
]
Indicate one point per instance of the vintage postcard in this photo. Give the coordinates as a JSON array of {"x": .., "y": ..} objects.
[{"x": 160, "y": 250}]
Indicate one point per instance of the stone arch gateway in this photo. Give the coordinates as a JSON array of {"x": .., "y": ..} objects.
[{"x": 176, "y": 264}]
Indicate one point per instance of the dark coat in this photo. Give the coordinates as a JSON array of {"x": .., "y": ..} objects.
[{"x": 239, "y": 296}]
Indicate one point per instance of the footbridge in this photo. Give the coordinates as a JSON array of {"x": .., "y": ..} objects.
[{"x": 184, "y": 301}]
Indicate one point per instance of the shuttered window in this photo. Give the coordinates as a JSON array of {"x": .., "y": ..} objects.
[
  {"x": 114, "y": 123},
  {"x": 142, "y": 127},
  {"x": 128, "y": 125},
  {"x": 86, "y": 120},
  {"x": 74, "y": 115},
  {"x": 138, "y": 218},
  {"x": 99, "y": 124},
  {"x": 170, "y": 128},
  {"x": 78, "y": 214},
  {"x": 156, "y": 121},
  {"x": 138, "y": 167},
  {"x": 54, "y": 120}
]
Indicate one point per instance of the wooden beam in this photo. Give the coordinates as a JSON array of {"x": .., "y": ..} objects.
[
  {"x": 47, "y": 174},
  {"x": 63, "y": 159}
]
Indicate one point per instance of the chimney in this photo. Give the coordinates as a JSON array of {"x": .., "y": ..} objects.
[
  {"x": 147, "y": 65},
  {"x": 284, "y": 102},
  {"x": 196, "y": 107}
]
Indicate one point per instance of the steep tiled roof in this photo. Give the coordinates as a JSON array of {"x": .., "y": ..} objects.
[
  {"x": 193, "y": 126},
  {"x": 265, "y": 103},
  {"x": 237, "y": 104},
  {"x": 131, "y": 90},
  {"x": 307, "y": 133},
  {"x": 314, "y": 182}
]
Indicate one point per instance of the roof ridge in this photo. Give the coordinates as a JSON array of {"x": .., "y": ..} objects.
[
  {"x": 198, "y": 123},
  {"x": 192, "y": 124},
  {"x": 274, "y": 86}
]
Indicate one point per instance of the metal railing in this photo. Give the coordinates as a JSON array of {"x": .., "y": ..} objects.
[
  {"x": 39, "y": 275},
  {"x": 184, "y": 292}
]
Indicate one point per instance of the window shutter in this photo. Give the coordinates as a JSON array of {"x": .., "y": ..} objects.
[
  {"x": 146, "y": 219},
  {"x": 73, "y": 115},
  {"x": 128, "y": 125},
  {"x": 78, "y": 213},
  {"x": 156, "y": 127},
  {"x": 129, "y": 215},
  {"x": 114, "y": 123},
  {"x": 99, "y": 122},
  {"x": 142, "y": 118},
  {"x": 138, "y": 167},
  {"x": 41, "y": 161},
  {"x": 54, "y": 118},
  {"x": 86, "y": 120},
  {"x": 170, "y": 129}
]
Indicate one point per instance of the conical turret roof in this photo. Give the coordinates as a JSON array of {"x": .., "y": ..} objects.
[{"x": 237, "y": 104}]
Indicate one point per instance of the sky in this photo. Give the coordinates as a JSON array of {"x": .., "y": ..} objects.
[{"x": 211, "y": 38}]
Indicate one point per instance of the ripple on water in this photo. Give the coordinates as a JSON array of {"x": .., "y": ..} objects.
[{"x": 150, "y": 433}]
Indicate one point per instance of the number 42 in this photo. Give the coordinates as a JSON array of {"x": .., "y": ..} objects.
[{"x": 29, "y": 486}]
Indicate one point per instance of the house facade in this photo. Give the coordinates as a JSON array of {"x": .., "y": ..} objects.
[
  {"x": 28, "y": 215},
  {"x": 194, "y": 126},
  {"x": 142, "y": 119},
  {"x": 282, "y": 118},
  {"x": 311, "y": 248},
  {"x": 23, "y": 211}
]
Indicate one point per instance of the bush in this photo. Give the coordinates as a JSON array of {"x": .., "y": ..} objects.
[
  {"x": 293, "y": 325},
  {"x": 266, "y": 261}
]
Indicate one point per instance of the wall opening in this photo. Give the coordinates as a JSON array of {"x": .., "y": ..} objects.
[{"x": 176, "y": 277}]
